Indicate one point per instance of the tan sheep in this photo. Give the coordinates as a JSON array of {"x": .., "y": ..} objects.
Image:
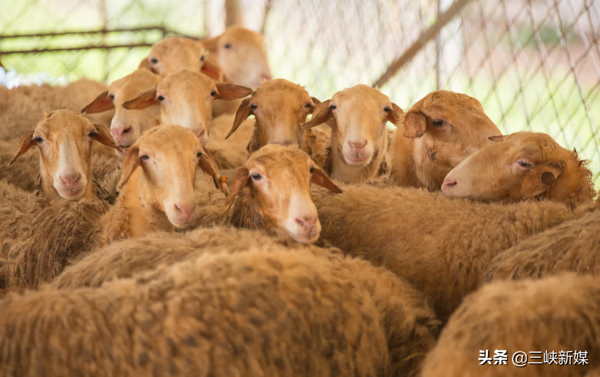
[
  {"x": 440, "y": 131},
  {"x": 271, "y": 192},
  {"x": 441, "y": 245},
  {"x": 211, "y": 258},
  {"x": 127, "y": 125},
  {"x": 64, "y": 140},
  {"x": 556, "y": 314},
  {"x": 185, "y": 98},
  {"x": 524, "y": 165},
  {"x": 572, "y": 246},
  {"x": 357, "y": 117}
]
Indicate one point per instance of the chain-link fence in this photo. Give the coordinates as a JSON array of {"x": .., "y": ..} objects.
[{"x": 534, "y": 64}]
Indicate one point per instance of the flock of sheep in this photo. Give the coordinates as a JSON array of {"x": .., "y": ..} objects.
[{"x": 412, "y": 252}]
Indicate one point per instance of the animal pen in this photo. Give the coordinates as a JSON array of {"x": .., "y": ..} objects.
[{"x": 533, "y": 64}]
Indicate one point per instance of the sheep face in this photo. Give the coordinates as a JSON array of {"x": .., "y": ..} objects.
[
  {"x": 279, "y": 179},
  {"x": 64, "y": 139},
  {"x": 445, "y": 128},
  {"x": 280, "y": 108},
  {"x": 174, "y": 53},
  {"x": 522, "y": 165},
  {"x": 127, "y": 125},
  {"x": 185, "y": 98},
  {"x": 242, "y": 55},
  {"x": 168, "y": 157}
]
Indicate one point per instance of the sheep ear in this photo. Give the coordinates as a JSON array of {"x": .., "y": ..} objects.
[
  {"x": 210, "y": 43},
  {"x": 541, "y": 178},
  {"x": 131, "y": 162},
  {"x": 143, "y": 101},
  {"x": 315, "y": 100},
  {"x": 102, "y": 103},
  {"x": 25, "y": 143},
  {"x": 240, "y": 180},
  {"x": 209, "y": 166},
  {"x": 497, "y": 138},
  {"x": 211, "y": 69},
  {"x": 321, "y": 178},
  {"x": 415, "y": 124},
  {"x": 229, "y": 91},
  {"x": 396, "y": 116},
  {"x": 321, "y": 114},
  {"x": 243, "y": 112},
  {"x": 103, "y": 137},
  {"x": 145, "y": 64}
]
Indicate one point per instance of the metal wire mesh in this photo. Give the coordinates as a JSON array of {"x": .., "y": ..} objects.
[{"x": 534, "y": 65}]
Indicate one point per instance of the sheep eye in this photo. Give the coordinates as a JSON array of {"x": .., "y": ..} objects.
[
  {"x": 227, "y": 45},
  {"x": 312, "y": 169},
  {"x": 112, "y": 96},
  {"x": 144, "y": 157},
  {"x": 213, "y": 93},
  {"x": 161, "y": 98},
  {"x": 387, "y": 109},
  {"x": 525, "y": 164},
  {"x": 254, "y": 106},
  {"x": 256, "y": 177},
  {"x": 154, "y": 60},
  {"x": 199, "y": 154},
  {"x": 38, "y": 139},
  {"x": 332, "y": 107},
  {"x": 437, "y": 122},
  {"x": 202, "y": 58},
  {"x": 92, "y": 134},
  {"x": 308, "y": 105}
]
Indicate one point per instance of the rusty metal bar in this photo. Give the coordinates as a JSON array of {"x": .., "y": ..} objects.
[
  {"x": 97, "y": 47},
  {"x": 99, "y": 31},
  {"x": 423, "y": 39}
]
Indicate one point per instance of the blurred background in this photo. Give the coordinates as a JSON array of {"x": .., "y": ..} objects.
[{"x": 534, "y": 64}]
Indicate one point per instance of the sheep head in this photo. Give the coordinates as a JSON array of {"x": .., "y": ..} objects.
[
  {"x": 444, "y": 128},
  {"x": 522, "y": 165},
  {"x": 64, "y": 139},
  {"x": 167, "y": 157},
  {"x": 280, "y": 108},
  {"x": 279, "y": 181},
  {"x": 127, "y": 125},
  {"x": 185, "y": 98},
  {"x": 242, "y": 56}
]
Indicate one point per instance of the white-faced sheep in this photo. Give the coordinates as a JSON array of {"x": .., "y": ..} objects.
[
  {"x": 524, "y": 165},
  {"x": 572, "y": 246},
  {"x": 216, "y": 256},
  {"x": 64, "y": 166},
  {"x": 439, "y": 132},
  {"x": 441, "y": 245},
  {"x": 174, "y": 53},
  {"x": 279, "y": 106},
  {"x": 127, "y": 125},
  {"x": 185, "y": 98},
  {"x": 540, "y": 319},
  {"x": 157, "y": 193},
  {"x": 357, "y": 117},
  {"x": 271, "y": 192}
]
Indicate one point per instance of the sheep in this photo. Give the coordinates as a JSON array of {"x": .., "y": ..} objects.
[
  {"x": 64, "y": 140},
  {"x": 321, "y": 289},
  {"x": 174, "y": 53},
  {"x": 185, "y": 98},
  {"x": 21, "y": 107},
  {"x": 271, "y": 192},
  {"x": 127, "y": 125},
  {"x": 156, "y": 193},
  {"x": 357, "y": 117},
  {"x": 440, "y": 131},
  {"x": 525, "y": 165},
  {"x": 572, "y": 246},
  {"x": 441, "y": 245},
  {"x": 560, "y": 313}
]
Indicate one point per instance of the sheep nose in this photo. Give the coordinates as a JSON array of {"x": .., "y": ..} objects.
[
  {"x": 70, "y": 180},
  {"x": 200, "y": 132},
  {"x": 449, "y": 182},
  {"x": 118, "y": 132},
  {"x": 357, "y": 144},
  {"x": 186, "y": 209},
  {"x": 306, "y": 222}
]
